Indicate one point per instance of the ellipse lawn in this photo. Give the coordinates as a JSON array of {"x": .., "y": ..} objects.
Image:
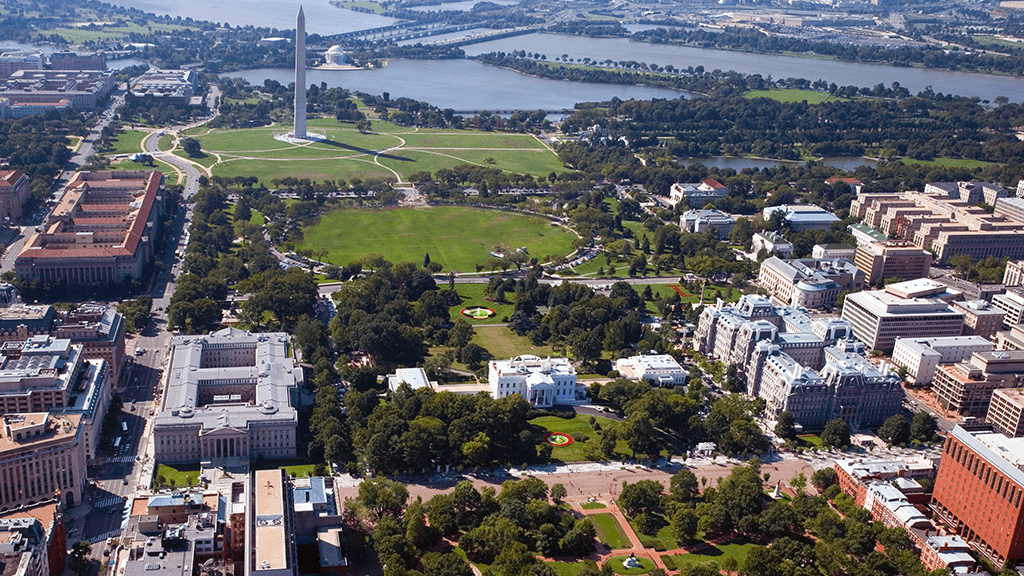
[{"x": 458, "y": 237}]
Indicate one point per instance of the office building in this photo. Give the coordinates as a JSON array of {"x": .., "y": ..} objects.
[
  {"x": 269, "y": 549},
  {"x": 855, "y": 475},
  {"x": 81, "y": 88},
  {"x": 657, "y": 369},
  {"x": 879, "y": 317},
  {"x": 978, "y": 493},
  {"x": 44, "y": 374},
  {"x": 72, "y": 61},
  {"x": 864, "y": 234},
  {"x": 903, "y": 260},
  {"x": 102, "y": 232},
  {"x": 922, "y": 356},
  {"x": 543, "y": 382},
  {"x": 773, "y": 242},
  {"x": 1006, "y": 411},
  {"x": 966, "y": 387},
  {"x": 1012, "y": 340},
  {"x": 980, "y": 317},
  {"x": 14, "y": 193},
  {"x": 809, "y": 283},
  {"x": 1014, "y": 274},
  {"x": 698, "y": 193},
  {"x": 1011, "y": 304},
  {"x": 11, "y": 62},
  {"x": 41, "y": 453},
  {"x": 163, "y": 86},
  {"x": 229, "y": 399},
  {"x": 698, "y": 221},
  {"x": 803, "y": 216},
  {"x": 833, "y": 251},
  {"x": 23, "y": 550},
  {"x": 848, "y": 387}
]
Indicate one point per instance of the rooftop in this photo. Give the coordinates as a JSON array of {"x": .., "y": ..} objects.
[{"x": 270, "y": 538}]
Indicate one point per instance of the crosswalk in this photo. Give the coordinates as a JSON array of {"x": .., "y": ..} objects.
[
  {"x": 121, "y": 459},
  {"x": 112, "y": 534},
  {"x": 112, "y": 501}
]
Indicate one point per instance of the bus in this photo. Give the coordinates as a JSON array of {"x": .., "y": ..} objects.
[
  {"x": 117, "y": 443},
  {"x": 124, "y": 427}
]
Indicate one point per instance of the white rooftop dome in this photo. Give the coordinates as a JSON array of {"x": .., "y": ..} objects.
[{"x": 335, "y": 50}]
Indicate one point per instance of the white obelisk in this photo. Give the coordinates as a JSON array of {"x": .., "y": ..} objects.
[{"x": 300, "y": 75}]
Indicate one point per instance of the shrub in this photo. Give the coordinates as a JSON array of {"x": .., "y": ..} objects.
[
  {"x": 669, "y": 562},
  {"x": 579, "y": 437}
]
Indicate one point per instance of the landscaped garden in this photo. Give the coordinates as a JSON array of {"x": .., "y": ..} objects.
[{"x": 609, "y": 532}]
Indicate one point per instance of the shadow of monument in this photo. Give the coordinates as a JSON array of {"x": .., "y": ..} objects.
[{"x": 364, "y": 150}]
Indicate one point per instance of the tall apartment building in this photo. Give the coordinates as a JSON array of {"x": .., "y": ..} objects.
[
  {"x": 980, "y": 317},
  {"x": 894, "y": 259},
  {"x": 922, "y": 356},
  {"x": 978, "y": 493},
  {"x": 808, "y": 282},
  {"x": 1012, "y": 305},
  {"x": 1014, "y": 340},
  {"x": 102, "y": 232},
  {"x": 967, "y": 387},
  {"x": 902, "y": 310},
  {"x": 543, "y": 382},
  {"x": 1006, "y": 411},
  {"x": 229, "y": 398},
  {"x": 41, "y": 453}
]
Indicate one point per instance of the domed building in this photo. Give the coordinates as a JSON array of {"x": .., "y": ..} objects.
[{"x": 335, "y": 56}]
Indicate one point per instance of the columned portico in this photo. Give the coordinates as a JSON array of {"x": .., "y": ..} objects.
[{"x": 224, "y": 443}]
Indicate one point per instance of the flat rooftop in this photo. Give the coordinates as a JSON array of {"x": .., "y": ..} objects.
[{"x": 270, "y": 538}]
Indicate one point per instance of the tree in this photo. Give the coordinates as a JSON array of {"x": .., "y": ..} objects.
[
  {"x": 962, "y": 262},
  {"x": 799, "y": 482},
  {"x": 580, "y": 540},
  {"x": 922, "y": 427},
  {"x": 684, "y": 525},
  {"x": 822, "y": 479},
  {"x": 684, "y": 486},
  {"x": 79, "y": 554},
  {"x": 895, "y": 430},
  {"x": 642, "y": 496},
  {"x": 445, "y": 564},
  {"x": 558, "y": 492},
  {"x": 836, "y": 434},
  {"x": 192, "y": 147},
  {"x": 426, "y": 259},
  {"x": 382, "y": 497},
  {"x": 785, "y": 427}
]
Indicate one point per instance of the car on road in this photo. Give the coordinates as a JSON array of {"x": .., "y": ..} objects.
[{"x": 125, "y": 481}]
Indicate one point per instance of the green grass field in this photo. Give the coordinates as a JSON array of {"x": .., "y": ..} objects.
[
  {"x": 178, "y": 474},
  {"x": 995, "y": 40},
  {"x": 594, "y": 506},
  {"x": 128, "y": 141},
  {"x": 80, "y": 35},
  {"x": 458, "y": 238},
  {"x": 567, "y": 568},
  {"x": 616, "y": 564},
  {"x": 609, "y": 532},
  {"x": 736, "y": 549},
  {"x": 298, "y": 470},
  {"x": 504, "y": 343},
  {"x": 791, "y": 95},
  {"x": 473, "y": 295},
  {"x": 949, "y": 162},
  {"x": 390, "y": 151},
  {"x": 577, "y": 451}
]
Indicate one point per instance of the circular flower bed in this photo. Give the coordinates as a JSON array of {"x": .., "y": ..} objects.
[
  {"x": 559, "y": 439},
  {"x": 478, "y": 312}
]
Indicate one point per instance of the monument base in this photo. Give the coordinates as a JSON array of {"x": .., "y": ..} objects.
[{"x": 292, "y": 139}]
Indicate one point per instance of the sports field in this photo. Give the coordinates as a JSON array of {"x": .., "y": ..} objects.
[
  {"x": 389, "y": 151},
  {"x": 457, "y": 237}
]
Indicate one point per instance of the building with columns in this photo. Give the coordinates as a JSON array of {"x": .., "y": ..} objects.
[
  {"x": 102, "y": 231},
  {"x": 229, "y": 398}
]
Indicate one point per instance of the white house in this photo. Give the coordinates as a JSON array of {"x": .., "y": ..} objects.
[{"x": 544, "y": 382}]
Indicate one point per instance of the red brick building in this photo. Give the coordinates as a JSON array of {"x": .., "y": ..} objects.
[{"x": 978, "y": 493}]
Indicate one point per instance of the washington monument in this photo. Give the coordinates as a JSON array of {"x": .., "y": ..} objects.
[{"x": 300, "y": 75}]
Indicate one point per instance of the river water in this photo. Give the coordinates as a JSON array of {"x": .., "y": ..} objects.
[
  {"x": 464, "y": 85},
  {"x": 984, "y": 86}
]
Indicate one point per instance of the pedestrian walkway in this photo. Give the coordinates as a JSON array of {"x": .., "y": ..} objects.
[
  {"x": 120, "y": 459},
  {"x": 112, "y": 534},
  {"x": 107, "y": 502}
]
